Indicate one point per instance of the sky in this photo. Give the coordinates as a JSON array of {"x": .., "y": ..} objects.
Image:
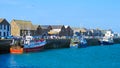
[{"x": 103, "y": 14}]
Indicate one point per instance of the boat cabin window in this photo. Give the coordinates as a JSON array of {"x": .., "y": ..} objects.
[{"x": 28, "y": 38}]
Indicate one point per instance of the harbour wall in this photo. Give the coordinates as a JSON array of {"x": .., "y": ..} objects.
[
  {"x": 65, "y": 43},
  {"x": 53, "y": 44},
  {"x": 92, "y": 42},
  {"x": 116, "y": 40},
  {"x": 5, "y": 46},
  {"x": 57, "y": 43}
]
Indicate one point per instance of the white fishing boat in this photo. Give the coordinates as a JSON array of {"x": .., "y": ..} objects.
[
  {"x": 106, "y": 41},
  {"x": 31, "y": 44}
]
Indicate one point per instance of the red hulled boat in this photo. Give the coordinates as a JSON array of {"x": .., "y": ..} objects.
[{"x": 31, "y": 44}]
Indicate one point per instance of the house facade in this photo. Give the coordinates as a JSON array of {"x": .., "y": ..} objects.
[
  {"x": 55, "y": 29},
  {"x": 21, "y": 28},
  {"x": 59, "y": 30},
  {"x": 95, "y": 32},
  {"x": 43, "y": 29},
  {"x": 66, "y": 31},
  {"x": 81, "y": 31},
  {"x": 4, "y": 28}
]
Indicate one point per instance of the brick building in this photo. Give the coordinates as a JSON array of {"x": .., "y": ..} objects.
[{"x": 21, "y": 28}]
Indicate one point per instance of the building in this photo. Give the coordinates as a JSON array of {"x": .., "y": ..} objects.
[
  {"x": 116, "y": 35},
  {"x": 66, "y": 31},
  {"x": 95, "y": 32},
  {"x": 55, "y": 29},
  {"x": 81, "y": 31},
  {"x": 69, "y": 31},
  {"x": 109, "y": 33},
  {"x": 43, "y": 29},
  {"x": 60, "y": 30},
  {"x": 22, "y": 27},
  {"x": 4, "y": 28}
]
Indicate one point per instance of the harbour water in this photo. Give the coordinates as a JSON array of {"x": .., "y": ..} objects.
[{"x": 90, "y": 57}]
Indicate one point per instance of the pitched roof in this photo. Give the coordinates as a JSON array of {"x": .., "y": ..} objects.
[
  {"x": 35, "y": 26},
  {"x": 1, "y": 19},
  {"x": 25, "y": 25},
  {"x": 56, "y": 26},
  {"x": 75, "y": 28},
  {"x": 44, "y": 26}
]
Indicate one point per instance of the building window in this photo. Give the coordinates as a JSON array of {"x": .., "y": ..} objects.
[
  {"x": 0, "y": 26},
  {"x": 4, "y": 34},
  {"x": 4, "y": 27},
  {"x": 21, "y": 32},
  {"x": 8, "y": 28},
  {"x": 7, "y": 33},
  {"x": 0, "y": 34}
]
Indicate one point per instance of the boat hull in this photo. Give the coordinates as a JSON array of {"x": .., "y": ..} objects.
[
  {"x": 78, "y": 45},
  {"x": 106, "y": 43},
  {"x": 73, "y": 45},
  {"x": 82, "y": 45},
  {"x": 34, "y": 49},
  {"x": 16, "y": 50}
]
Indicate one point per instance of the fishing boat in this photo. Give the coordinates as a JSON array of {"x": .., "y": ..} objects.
[
  {"x": 106, "y": 41},
  {"x": 83, "y": 42},
  {"x": 31, "y": 44},
  {"x": 74, "y": 43},
  {"x": 15, "y": 47},
  {"x": 78, "y": 42}
]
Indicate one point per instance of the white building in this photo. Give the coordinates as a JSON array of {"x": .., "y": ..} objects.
[
  {"x": 109, "y": 33},
  {"x": 116, "y": 35},
  {"x": 4, "y": 28}
]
